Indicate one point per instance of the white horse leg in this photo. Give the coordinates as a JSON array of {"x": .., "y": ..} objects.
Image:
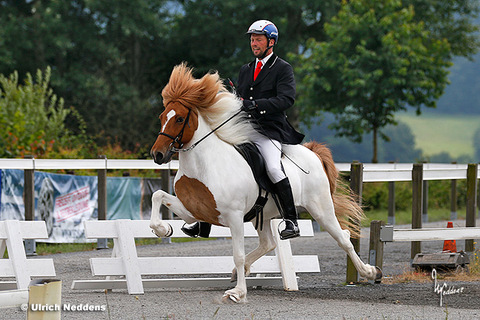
[
  {"x": 266, "y": 243},
  {"x": 160, "y": 227},
  {"x": 239, "y": 293},
  {"x": 325, "y": 216}
]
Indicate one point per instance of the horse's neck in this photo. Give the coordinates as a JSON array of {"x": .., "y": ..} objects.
[{"x": 202, "y": 157}]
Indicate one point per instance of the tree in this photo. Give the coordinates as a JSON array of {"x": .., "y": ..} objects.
[
  {"x": 211, "y": 34},
  {"x": 376, "y": 61},
  {"x": 31, "y": 116},
  {"x": 453, "y": 20},
  {"x": 106, "y": 58}
]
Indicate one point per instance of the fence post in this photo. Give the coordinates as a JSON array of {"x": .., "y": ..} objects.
[
  {"x": 425, "y": 201},
  {"x": 391, "y": 202},
  {"x": 356, "y": 184},
  {"x": 29, "y": 203},
  {"x": 453, "y": 198},
  {"x": 102, "y": 199},
  {"x": 417, "y": 201},
  {"x": 472, "y": 176},
  {"x": 376, "y": 246}
]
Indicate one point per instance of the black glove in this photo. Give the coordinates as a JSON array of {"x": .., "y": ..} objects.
[{"x": 249, "y": 106}]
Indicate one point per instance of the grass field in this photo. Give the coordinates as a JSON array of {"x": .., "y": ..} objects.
[{"x": 436, "y": 133}]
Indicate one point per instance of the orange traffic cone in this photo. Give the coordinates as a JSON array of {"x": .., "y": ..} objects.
[{"x": 450, "y": 245}]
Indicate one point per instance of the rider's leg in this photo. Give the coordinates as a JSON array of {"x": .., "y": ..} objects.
[{"x": 271, "y": 152}]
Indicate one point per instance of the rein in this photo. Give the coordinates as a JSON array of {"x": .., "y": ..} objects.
[{"x": 180, "y": 134}]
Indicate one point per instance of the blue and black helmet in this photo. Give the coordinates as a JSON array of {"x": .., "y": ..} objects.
[{"x": 264, "y": 27}]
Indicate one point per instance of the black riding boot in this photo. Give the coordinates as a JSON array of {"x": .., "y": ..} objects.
[
  {"x": 285, "y": 197},
  {"x": 198, "y": 229}
]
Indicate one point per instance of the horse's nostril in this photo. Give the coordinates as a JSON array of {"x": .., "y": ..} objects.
[{"x": 157, "y": 157}]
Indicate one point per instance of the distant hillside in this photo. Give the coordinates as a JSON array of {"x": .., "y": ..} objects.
[
  {"x": 462, "y": 96},
  {"x": 437, "y": 133}
]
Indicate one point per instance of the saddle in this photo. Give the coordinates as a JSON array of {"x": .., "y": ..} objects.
[{"x": 256, "y": 162}]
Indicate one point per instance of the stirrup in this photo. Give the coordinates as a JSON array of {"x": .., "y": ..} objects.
[{"x": 295, "y": 232}]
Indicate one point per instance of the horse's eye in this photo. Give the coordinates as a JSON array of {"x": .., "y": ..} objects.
[{"x": 180, "y": 119}]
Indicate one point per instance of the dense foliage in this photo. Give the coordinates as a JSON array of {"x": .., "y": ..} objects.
[
  {"x": 110, "y": 60},
  {"x": 31, "y": 116}
]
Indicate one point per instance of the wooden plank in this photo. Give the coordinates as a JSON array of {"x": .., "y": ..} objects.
[
  {"x": 13, "y": 298},
  {"x": 198, "y": 265},
  {"x": 16, "y": 253},
  {"x": 125, "y": 260},
  {"x": 285, "y": 261},
  {"x": 472, "y": 191},
  {"x": 33, "y": 267},
  {"x": 376, "y": 246},
  {"x": 141, "y": 229},
  {"x": 127, "y": 251},
  {"x": 69, "y": 164},
  {"x": 28, "y": 229},
  {"x": 356, "y": 184},
  {"x": 432, "y": 234},
  {"x": 387, "y": 175},
  {"x": 417, "y": 203}
]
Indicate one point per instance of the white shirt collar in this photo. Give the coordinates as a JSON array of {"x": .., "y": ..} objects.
[{"x": 264, "y": 60}]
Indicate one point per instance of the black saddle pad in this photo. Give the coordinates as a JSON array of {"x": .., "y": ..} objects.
[{"x": 253, "y": 157}]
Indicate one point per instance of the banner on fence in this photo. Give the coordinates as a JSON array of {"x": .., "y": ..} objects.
[{"x": 65, "y": 201}]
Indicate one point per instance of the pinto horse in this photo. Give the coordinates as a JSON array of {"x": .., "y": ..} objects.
[{"x": 216, "y": 185}]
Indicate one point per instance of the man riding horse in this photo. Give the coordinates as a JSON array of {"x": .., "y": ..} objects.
[{"x": 267, "y": 88}]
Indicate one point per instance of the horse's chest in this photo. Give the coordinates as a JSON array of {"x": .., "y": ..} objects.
[{"x": 198, "y": 199}]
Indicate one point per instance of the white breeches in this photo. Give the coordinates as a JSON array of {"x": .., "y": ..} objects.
[{"x": 271, "y": 151}]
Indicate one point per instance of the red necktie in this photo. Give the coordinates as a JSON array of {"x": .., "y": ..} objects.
[{"x": 257, "y": 70}]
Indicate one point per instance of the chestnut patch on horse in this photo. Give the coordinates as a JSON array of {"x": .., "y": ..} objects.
[{"x": 196, "y": 197}]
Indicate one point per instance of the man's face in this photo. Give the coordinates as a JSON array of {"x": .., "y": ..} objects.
[{"x": 258, "y": 43}]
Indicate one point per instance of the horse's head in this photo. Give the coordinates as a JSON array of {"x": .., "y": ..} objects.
[
  {"x": 183, "y": 98},
  {"x": 178, "y": 124}
]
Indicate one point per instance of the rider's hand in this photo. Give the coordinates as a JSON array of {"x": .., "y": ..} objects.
[{"x": 249, "y": 106}]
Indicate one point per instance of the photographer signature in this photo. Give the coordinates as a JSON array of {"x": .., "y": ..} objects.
[{"x": 444, "y": 289}]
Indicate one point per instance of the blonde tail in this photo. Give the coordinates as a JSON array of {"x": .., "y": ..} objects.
[{"x": 347, "y": 210}]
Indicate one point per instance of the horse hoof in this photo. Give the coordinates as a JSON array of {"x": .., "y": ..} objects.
[
  {"x": 170, "y": 231},
  {"x": 153, "y": 231},
  {"x": 379, "y": 275},
  {"x": 229, "y": 299},
  {"x": 234, "y": 296},
  {"x": 167, "y": 234}
]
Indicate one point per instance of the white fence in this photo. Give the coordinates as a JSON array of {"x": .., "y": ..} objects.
[
  {"x": 12, "y": 234},
  {"x": 125, "y": 261},
  {"x": 373, "y": 172}
]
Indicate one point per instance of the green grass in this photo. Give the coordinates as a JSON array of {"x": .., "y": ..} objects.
[
  {"x": 436, "y": 133},
  {"x": 53, "y": 248}
]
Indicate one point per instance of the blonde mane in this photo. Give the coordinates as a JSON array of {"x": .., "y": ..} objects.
[{"x": 209, "y": 97}]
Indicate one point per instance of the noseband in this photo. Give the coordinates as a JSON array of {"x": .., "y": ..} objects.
[{"x": 178, "y": 138}]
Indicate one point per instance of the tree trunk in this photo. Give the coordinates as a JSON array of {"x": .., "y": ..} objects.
[{"x": 375, "y": 151}]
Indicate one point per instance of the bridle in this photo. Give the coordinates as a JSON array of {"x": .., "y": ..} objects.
[{"x": 178, "y": 138}]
